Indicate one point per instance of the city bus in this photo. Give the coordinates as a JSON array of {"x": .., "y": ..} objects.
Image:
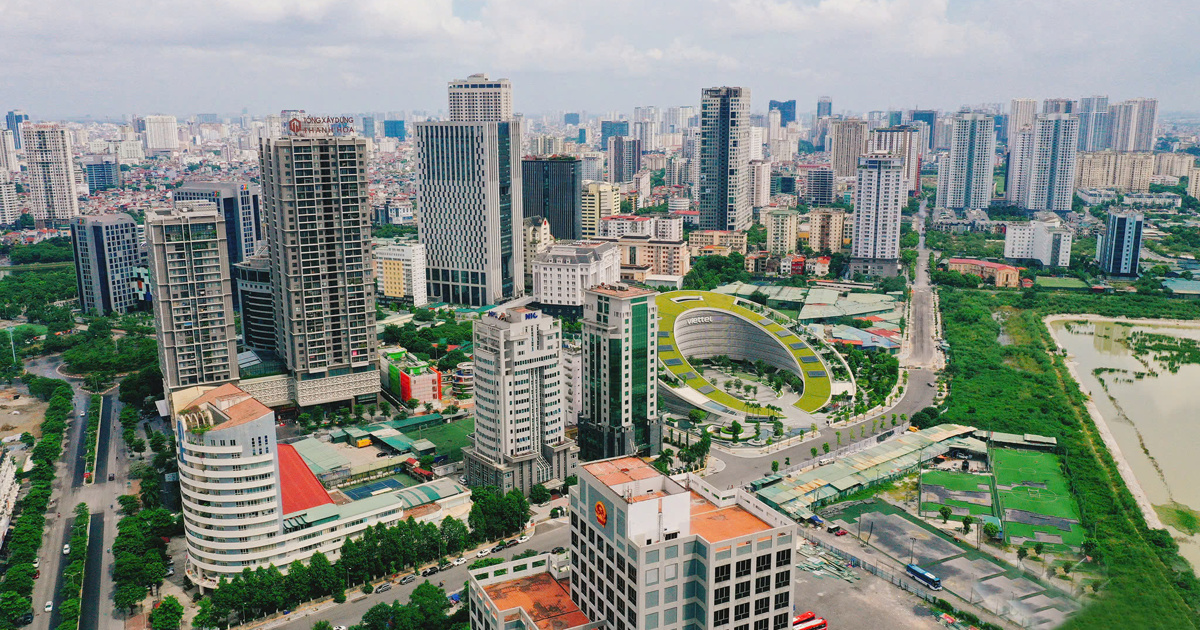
[
  {"x": 812, "y": 624},
  {"x": 930, "y": 580},
  {"x": 803, "y": 617}
]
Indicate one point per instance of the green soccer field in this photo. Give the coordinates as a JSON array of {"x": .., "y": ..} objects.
[
  {"x": 1035, "y": 484},
  {"x": 956, "y": 482},
  {"x": 449, "y": 438}
]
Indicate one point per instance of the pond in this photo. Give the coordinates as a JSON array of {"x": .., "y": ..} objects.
[{"x": 1145, "y": 382}]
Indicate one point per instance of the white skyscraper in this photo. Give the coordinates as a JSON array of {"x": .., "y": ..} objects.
[
  {"x": 724, "y": 187},
  {"x": 520, "y": 427},
  {"x": 760, "y": 183},
  {"x": 879, "y": 195},
  {"x": 1132, "y": 124},
  {"x": 162, "y": 134},
  {"x": 1042, "y": 163},
  {"x": 1042, "y": 241},
  {"x": 965, "y": 175},
  {"x": 51, "y": 176},
  {"x": 319, "y": 245},
  {"x": 480, "y": 99},
  {"x": 10, "y": 207},
  {"x": 469, "y": 210},
  {"x": 8, "y": 154},
  {"x": 1020, "y": 114},
  {"x": 904, "y": 142},
  {"x": 400, "y": 273},
  {"x": 1093, "y": 123},
  {"x": 192, "y": 295},
  {"x": 846, "y": 143}
]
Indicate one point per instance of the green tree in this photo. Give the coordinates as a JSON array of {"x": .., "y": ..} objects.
[
  {"x": 322, "y": 625},
  {"x": 991, "y": 530},
  {"x": 538, "y": 494},
  {"x": 966, "y": 523},
  {"x": 945, "y": 512},
  {"x": 775, "y": 465},
  {"x": 1039, "y": 548},
  {"x": 168, "y": 615},
  {"x": 825, "y": 447},
  {"x": 1022, "y": 553},
  {"x": 12, "y": 607},
  {"x": 813, "y": 450}
]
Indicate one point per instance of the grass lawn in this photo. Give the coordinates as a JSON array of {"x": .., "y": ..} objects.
[
  {"x": 1060, "y": 283},
  {"x": 449, "y": 438},
  {"x": 1037, "y": 486}
]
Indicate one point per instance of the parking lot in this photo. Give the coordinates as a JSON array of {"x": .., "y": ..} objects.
[{"x": 867, "y": 604}]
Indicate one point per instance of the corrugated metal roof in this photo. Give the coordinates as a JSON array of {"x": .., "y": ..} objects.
[{"x": 319, "y": 456}]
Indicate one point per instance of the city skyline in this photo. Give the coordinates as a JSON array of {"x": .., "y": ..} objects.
[{"x": 323, "y": 54}]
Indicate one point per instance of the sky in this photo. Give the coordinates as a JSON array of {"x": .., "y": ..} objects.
[{"x": 71, "y": 58}]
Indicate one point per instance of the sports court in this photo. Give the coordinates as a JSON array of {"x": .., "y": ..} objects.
[
  {"x": 1034, "y": 499},
  {"x": 963, "y": 493},
  {"x": 373, "y": 488}
]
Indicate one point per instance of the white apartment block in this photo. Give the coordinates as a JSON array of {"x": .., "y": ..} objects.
[
  {"x": 663, "y": 228},
  {"x": 1133, "y": 124},
  {"x": 1042, "y": 163},
  {"x": 1126, "y": 172},
  {"x": 760, "y": 183},
  {"x": 826, "y": 227},
  {"x": 469, "y": 210},
  {"x": 903, "y": 142},
  {"x": 572, "y": 367},
  {"x": 400, "y": 272},
  {"x": 480, "y": 99},
  {"x": 600, "y": 200},
  {"x": 249, "y": 502},
  {"x": 782, "y": 226},
  {"x": 10, "y": 205},
  {"x": 162, "y": 134},
  {"x": 1021, "y": 112},
  {"x": 965, "y": 176},
  {"x": 8, "y": 154},
  {"x": 192, "y": 295},
  {"x": 562, "y": 273},
  {"x": 879, "y": 196},
  {"x": 52, "y": 174},
  {"x": 1174, "y": 164},
  {"x": 520, "y": 426},
  {"x": 1042, "y": 241},
  {"x": 322, "y": 271},
  {"x": 847, "y": 141}
]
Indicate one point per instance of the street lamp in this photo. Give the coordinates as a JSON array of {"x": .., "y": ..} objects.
[{"x": 912, "y": 541}]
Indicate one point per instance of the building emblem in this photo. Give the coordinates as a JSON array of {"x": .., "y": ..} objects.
[
  {"x": 601, "y": 514},
  {"x": 294, "y": 125}
]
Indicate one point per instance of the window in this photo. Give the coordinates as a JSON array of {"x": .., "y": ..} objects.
[
  {"x": 721, "y": 617},
  {"x": 723, "y": 573},
  {"x": 781, "y": 600},
  {"x": 651, "y": 599},
  {"x": 742, "y": 590},
  {"x": 762, "y": 563},
  {"x": 651, "y": 621},
  {"x": 781, "y": 621},
  {"x": 762, "y": 584},
  {"x": 670, "y": 594},
  {"x": 762, "y": 606},
  {"x": 721, "y": 595},
  {"x": 761, "y": 624},
  {"x": 651, "y": 577},
  {"x": 743, "y": 568},
  {"x": 783, "y": 578},
  {"x": 741, "y": 611},
  {"x": 783, "y": 558}
]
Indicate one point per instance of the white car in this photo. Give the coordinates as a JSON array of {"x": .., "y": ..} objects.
[
  {"x": 523, "y": 539},
  {"x": 66, "y": 549},
  {"x": 482, "y": 552},
  {"x": 339, "y": 628},
  {"x": 49, "y": 606},
  {"x": 458, "y": 561},
  {"x": 37, "y": 563}
]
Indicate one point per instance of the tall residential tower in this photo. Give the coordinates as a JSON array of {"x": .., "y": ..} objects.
[{"x": 724, "y": 186}]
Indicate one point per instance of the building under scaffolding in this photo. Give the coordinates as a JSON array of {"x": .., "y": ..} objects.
[{"x": 798, "y": 494}]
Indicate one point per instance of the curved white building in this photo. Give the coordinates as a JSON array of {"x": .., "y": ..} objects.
[{"x": 250, "y": 502}]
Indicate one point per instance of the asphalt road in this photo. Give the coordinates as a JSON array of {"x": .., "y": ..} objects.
[
  {"x": 546, "y": 537},
  {"x": 65, "y": 495}
]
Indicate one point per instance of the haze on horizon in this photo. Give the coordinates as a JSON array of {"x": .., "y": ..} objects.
[{"x": 70, "y": 59}]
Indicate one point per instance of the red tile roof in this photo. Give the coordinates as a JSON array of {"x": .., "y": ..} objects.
[{"x": 300, "y": 488}]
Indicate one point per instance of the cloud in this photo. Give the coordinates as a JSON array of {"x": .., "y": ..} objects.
[{"x": 136, "y": 56}]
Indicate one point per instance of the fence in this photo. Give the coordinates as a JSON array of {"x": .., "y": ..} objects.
[{"x": 895, "y": 577}]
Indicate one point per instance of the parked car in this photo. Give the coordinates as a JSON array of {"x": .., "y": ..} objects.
[
  {"x": 841, "y": 532},
  {"x": 522, "y": 539},
  {"x": 37, "y": 574},
  {"x": 558, "y": 550},
  {"x": 482, "y": 552},
  {"x": 382, "y": 588},
  {"x": 37, "y": 563},
  {"x": 170, "y": 571},
  {"x": 112, "y": 476},
  {"x": 499, "y": 547},
  {"x": 458, "y": 561},
  {"x": 339, "y": 628},
  {"x": 408, "y": 579},
  {"x": 444, "y": 567},
  {"x": 462, "y": 480},
  {"x": 381, "y": 454},
  {"x": 49, "y": 606},
  {"x": 430, "y": 571},
  {"x": 66, "y": 549}
]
